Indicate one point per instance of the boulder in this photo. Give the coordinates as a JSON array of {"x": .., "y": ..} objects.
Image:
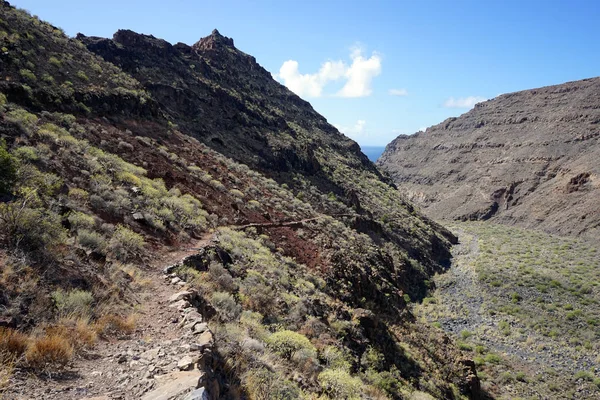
[
  {"x": 183, "y": 295},
  {"x": 205, "y": 340},
  {"x": 200, "y": 328},
  {"x": 198, "y": 394},
  {"x": 174, "y": 385},
  {"x": 185, "y": 364}
]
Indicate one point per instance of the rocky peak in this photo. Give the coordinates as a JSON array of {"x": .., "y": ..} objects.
[
  {"x": 213, "y": 42},
  {"x": 130, "y": 38}
]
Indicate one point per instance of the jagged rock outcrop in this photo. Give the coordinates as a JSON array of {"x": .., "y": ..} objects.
[{"x": 527, "y": 158}]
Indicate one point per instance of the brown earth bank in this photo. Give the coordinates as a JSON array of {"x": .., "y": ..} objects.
[{"x": 526, "y": 158}]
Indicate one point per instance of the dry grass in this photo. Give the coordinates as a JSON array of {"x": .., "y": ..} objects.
[
  {"x": 7, "y": 365},
  {"x": 114, "y": 325},
  {"x": 78, "y": 331},
  {"x": 49, "y": 353},
  {"x": 13, "y": 343}
]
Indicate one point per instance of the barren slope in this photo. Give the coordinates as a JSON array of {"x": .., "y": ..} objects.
[{"x": 527, "y": 158}]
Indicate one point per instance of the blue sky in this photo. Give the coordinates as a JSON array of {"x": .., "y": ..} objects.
[{"x": 375, "y": 69}]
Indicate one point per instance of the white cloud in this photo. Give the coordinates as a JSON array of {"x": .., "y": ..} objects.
[
  {"x": 310, "y": 85},
  {"x": 398, "y": 92},
  {"x": 356, "y": 131},
  {"x": 463, "y": 102},
  {"x": 358, "y": 76}
]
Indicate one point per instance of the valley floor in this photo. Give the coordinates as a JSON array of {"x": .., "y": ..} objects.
[{"x": 524, "y": 305}]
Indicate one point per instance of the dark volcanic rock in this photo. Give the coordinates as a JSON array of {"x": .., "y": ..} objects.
[
  {"x": 527, "y": 158},
  {"x": 224, "y": 98}
]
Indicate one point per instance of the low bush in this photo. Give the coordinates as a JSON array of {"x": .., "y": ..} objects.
[
  {"x": 8, "y": 169},
  {"x": 339, "y": 384},
  {"x": 264, "y": 384},
  {"x": 335, "y": 358},
  {"x": 226, "y": 306},
  {"x": 80, "y": 220},
  {"x": 34, "y": 230},
  {"x": 126, "y": 244},
  {"x": 493, "y": 358},
  {"x": 74, "y": 303},
  {"x": 92, "y": 240},
  {"x": 286, "y": 343}
]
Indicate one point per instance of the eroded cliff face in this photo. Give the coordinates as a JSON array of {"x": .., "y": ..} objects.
[{"x": 527, "y": 158}]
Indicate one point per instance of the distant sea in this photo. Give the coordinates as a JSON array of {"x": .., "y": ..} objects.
[{"x": 373, "y": 152}]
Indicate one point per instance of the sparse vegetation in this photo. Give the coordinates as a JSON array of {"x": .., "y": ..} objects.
[{"x": 540, "y": 294}]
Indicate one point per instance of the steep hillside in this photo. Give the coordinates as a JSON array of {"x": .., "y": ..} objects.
[
  {"x": 225, "y": 99},
  {"x": 526, "y": 158},
  {"x": 306, "y": 256}
]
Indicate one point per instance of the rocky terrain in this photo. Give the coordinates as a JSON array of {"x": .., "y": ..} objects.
[
  {"x": 122, "y": 156},
  {"x": 526, "y": 158},
  {"x": 528, "y": 305}
]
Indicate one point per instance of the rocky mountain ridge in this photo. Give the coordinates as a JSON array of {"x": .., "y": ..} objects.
[{"x": 524, "y": 158}]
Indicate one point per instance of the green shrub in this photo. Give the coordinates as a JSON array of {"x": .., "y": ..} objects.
[
  {"x": 92, "y": 240},
  {"x": 80, "y": 220},
  {"x": 466, "y": 334},
  {"x": 253, "y": 205},
  {"x": 237, "y": 193},
  {"x": 3, "y": 100},
  {"x": 493, "y": 358},
  {"x": 257, "y": 294},
  {"x": 465, "y": 346},
  {"x": 339, "y": 384},
  {"x": 26, "y": 120},
  {"x": 372, "y": 359},
  {"x": 26, "y": 154},
  {"x": 126, "y": 244},
  {"x": 226, "y": 306},
  {"x": 55, "y": 61},
  {"x": 521, "y": 377},
  {"x": 36, "y": 231},
  {"x": 584, "y": 375},
  {"x": 27, "y": 75},
  {"x": 8, "y": 169},
  {"x": 81, "y": 75},
  {"x": 48, "y": 78},
  {"x": 264, "y": 384},
  {"x": 74, "y": 303},
  {"x": 335, "y": 358},
  {"x": 286, "y": 343}
]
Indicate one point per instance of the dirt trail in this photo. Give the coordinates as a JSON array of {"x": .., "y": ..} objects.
[
  {"x": 278, "y": 224},
  {"x": 124, "y": 368}
]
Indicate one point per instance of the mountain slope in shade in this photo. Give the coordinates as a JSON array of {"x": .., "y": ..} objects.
[{"x": 527, "y": 158}]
